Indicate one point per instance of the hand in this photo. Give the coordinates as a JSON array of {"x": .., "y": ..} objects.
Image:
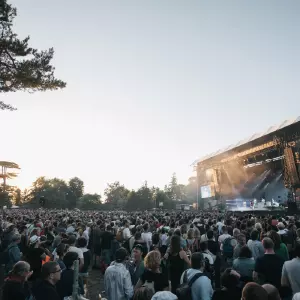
[{"x": 28, "y": 275}]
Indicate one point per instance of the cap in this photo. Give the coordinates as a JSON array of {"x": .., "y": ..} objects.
[
  {"x": 121, "y": 254},
  {"x": 165, "y": 295},
  {"x": 33, "y": 239}
]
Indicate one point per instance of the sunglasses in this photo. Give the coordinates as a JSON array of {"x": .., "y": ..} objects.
[{"x": 56, "y": 271}]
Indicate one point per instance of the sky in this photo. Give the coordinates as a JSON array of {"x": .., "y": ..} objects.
[{"x": 151, "y": 86}]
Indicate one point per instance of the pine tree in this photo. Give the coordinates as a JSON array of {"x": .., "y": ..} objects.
[{"x": 22, "y": 68}]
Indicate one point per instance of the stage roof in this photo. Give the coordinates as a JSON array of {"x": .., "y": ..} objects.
[{"x": 255, "y": 136}]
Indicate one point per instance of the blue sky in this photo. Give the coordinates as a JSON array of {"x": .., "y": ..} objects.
[{"x": 152, "y": 85}]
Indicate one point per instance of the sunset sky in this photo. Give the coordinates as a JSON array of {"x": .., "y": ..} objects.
[{"x": 151, "y": 85}]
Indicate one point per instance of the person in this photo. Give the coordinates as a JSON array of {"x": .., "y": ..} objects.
[
  {"x": 45, "y": 289},
  {"x": 15, "y": 286},
  {"x": 255, "y": 245},
  {"x": 201, "y": 288},
  {"x": 152, "y": 276},
  {"x": 87, "y": 258},
  {"x": 117, "y": 281},
  {"x": 73, "y": 248},
  {"x": 272, "y": 292},
  {"x": 279, "y": 248},
  {"x": 106, "y": 240},
  {"x": 137, "y": 265},
  {"x": 14, "y": 253},
  {"x": 230, "y": 289},
  {"x": 268, "y": 268},
  {"x": 244, "y": 264},
  {"x": 241, "y": 239},
  {"x": 61, "y": 251},
  {"x": 223, "y": 237},
  {"x": 164, "y": 295},
  {"x": 143, "y": 293},
  {"x": 253, "y": 291},
  {"x": 290, "y": 272},
  {"x": 65, "y": 285},
  {"x": 176, "y": 260}
]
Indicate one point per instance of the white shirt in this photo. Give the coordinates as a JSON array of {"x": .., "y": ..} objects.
[
  {"x": 76, "y": 250},
  {"x": 222, "y": 238},
  {"x": 126, "y": 234}
]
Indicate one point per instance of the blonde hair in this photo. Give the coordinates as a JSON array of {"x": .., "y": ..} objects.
[{"x": 152, "y": 260}]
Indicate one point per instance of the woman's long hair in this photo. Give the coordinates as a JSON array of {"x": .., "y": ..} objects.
[{"x": 175, "y": 246}]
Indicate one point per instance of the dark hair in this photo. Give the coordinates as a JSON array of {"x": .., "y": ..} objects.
[
  {"x": 82, "y": 242},
  {"x": 297, "y": 250},
  {"x": 203, "y": 246},
  {"x": 155, "y": 238},
  {"x": 254, "y": 235},
  {"x": 175, "y": 244},
  {"x": 61, "y": 249},
  {"x": 48, "y": 268},
  {"x": 143, "y": 293},
  {"x": 197, "y": 260},
  {"x": 69, "y": 259},
  {"x": 275, "y": 237},
  {"x": 245, "y": 252},
  {"x": 210, "y": 234},
  {"x": 229, "y": 280},
  {"x": 253, "y": 290}
]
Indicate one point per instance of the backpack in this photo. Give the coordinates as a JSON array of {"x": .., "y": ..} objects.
[
  {"x": 119, "y": 235},
  {"x": 184, "y": 291},
  {"x": 5, "y": 255},
  {"x": 149, "y": 285},
  {"x": 228, "y": 247}
]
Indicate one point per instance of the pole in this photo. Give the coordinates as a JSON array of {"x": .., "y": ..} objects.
[
  {"x": 197, "y": 191},
  {"x": 75, "y": 280}
]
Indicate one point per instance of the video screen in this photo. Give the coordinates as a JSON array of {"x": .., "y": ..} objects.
[{"x": 206, "y": 191}]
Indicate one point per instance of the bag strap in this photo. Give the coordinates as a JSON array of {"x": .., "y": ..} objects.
[{"x": 194, "y": 278}]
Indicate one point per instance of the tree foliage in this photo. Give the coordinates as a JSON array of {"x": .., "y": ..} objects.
[
  {"x": 116, "y": 194},
  {"x": 89, "y": 201},
  {"x": 22, "y": 67}
]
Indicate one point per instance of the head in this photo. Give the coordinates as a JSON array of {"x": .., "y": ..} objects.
[
  {"x": 229, "y": 280},
  {"x": 268, "y": 244},
  {"x": 152, "y": 260},
  {"x": 16, "y": 238},
  {"x": 164, "y": 295},
  {"x": 254, "y": 235},
  {"x": 72, "y": 240},
  {"x": 143, "y": 293},
  {"x": 138, "y": 252},
  {"x": 236, "y": 232},
  {"x": 61, "y": 250},
  {"x": 190, "y": 234},
  {"x": 121, "y": 255},
  {"x": 275, "y": 238},
  {"x": 210, "y": 234},
  {"x": 69, "y": 259},
  {"x": 82, "y": 242},
  {"x": 252, "y": 291},
  {"x": 20, "y": 269},
  {"x": 241, "y": 239},
  {"x": 280, "y": 226},
  {"x": 245, "y": 252},
  {"x": 272, "y": 292},
  {"x": 51, "y": 272},
  {"x": 197, "y": 261},
  {"x": 297, "y": 250},
  {"x": 175, "y": 244}
]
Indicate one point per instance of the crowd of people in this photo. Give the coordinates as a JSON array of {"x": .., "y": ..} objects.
[{"x": 148, "y": 255}]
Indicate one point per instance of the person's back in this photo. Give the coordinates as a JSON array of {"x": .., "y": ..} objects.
[
  {"x": 290, "y": 272},
  {"x": 117, "y": 279},
  {"x": 201, "y": 288}
]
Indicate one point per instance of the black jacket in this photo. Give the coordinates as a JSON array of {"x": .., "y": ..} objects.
[{"x": 44, "y": 290}]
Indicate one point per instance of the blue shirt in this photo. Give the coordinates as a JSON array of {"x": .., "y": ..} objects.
[{"x": 201, "y": 288}]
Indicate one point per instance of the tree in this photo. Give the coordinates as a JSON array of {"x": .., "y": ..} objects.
[
  {"x": 116, "y": 194},
  {"x": 22, "y": 67},
  {"x": 145, "y": 195},
  {"x": 89, "y": 201},
  {"x": 5, "y": 174},
  {"x": 174, "y": 190},
  {"x": 76, "y": 187},
  {"x": 55, "y": 191}
]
